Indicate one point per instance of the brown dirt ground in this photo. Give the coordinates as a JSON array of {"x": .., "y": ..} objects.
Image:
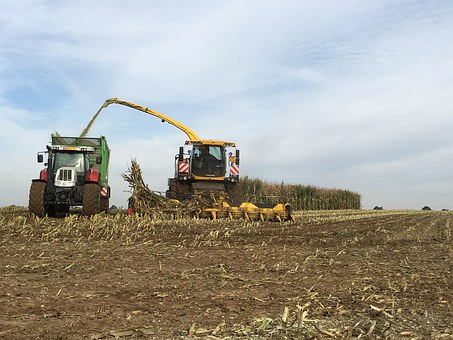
[{"x": 350, "y": 274}]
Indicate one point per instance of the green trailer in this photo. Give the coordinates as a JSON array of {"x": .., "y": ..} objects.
[{"x": 76, "y": 174}]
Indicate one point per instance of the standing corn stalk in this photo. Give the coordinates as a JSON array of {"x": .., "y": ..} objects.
[
  {"x": 301, "y": 197},
  {"x": 145, "y": 201},
  {"x": 142, "y": 199}
]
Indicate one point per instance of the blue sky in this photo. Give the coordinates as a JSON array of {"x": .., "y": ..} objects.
[{"x": 340, "y": 94}]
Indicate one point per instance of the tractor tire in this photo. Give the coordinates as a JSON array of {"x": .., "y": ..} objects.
[
  {"x": 104, "y": 204},
  {"x": 91, "y": 199},
  {"x": 36, "y": 199}
]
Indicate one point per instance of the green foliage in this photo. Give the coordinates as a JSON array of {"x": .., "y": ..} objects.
[{"x": 301, "y": 197}]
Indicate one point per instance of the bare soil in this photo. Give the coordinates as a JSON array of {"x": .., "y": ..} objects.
[{"x": 349, "y": 274}]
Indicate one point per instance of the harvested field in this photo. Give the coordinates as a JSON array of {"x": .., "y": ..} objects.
[{"x": 331, "y": 274}]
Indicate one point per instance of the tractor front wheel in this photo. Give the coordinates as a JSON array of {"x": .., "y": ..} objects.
[
  {"x": 36, "y": 199},
  {"x": 91, "y": 199}
]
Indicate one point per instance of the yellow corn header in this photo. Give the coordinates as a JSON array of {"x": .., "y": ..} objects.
[{"x": 249, "y": 211}]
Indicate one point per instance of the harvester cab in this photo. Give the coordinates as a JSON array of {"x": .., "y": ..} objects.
[
  {"x": 208, "y": 160},
  {"x": 75, "y": 174},
  {"x": 206, "y": 166}
]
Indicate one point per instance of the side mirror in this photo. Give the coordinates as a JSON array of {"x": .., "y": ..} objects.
[
  {"x": 98, "y": 159},
  {"x": 40, "y": 158},
  {"x": 237, "y": 157}
]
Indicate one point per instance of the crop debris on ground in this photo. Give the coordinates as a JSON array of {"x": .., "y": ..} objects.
[{"x": 329, "y": 275}]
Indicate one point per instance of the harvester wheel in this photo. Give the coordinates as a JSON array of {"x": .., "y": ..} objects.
[
  {"x": 234, "y": 190},
  {"x": 36, "y": 199},
  {"x": 172, "y": 191},
  {"x": 91, "y": 199},
  {"x": 178, "y": 190}
]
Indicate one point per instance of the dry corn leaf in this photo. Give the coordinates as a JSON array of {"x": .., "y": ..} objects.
[
  {"x": 203, "y": 331},
  {"x": 122, "y": 333},
  {"x": 263, "y": 324},
  {"x": 147, "y": 330},
  {"x": 285, "y": 315},
  {"x": 220, "y": 327},
  {"x": 192, "y": 329}
]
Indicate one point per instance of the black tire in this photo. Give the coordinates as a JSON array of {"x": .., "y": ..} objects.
[
  {"x": 51, "y": 210},
  {"x": 234, "y": 191},
  {"x": 36, "y": 199},
  {"x": 172, "y": 191},
  {"x": 104, "y": 204},
  {"x": 179, "y": 190},
  {"x": 91, "y": 199}
]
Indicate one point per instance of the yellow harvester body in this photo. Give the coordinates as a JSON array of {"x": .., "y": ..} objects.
[{"x": 209, "y": 170}]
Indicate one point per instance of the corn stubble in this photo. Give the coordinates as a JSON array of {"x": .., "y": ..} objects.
[{"x": 308, "y": 313}]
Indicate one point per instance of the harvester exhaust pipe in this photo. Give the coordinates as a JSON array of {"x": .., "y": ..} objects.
[{"x": 181, "y": 153}]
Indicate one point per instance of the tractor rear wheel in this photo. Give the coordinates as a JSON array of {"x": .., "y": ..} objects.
[
  {"x": 36, "y": 199},
  {"x": 91, "y": 199}
]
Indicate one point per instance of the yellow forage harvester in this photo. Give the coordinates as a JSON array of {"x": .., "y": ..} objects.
[{"x": 206, "y": 181}]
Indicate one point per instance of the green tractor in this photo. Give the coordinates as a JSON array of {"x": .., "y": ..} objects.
[{"x": 76, "y": 174}]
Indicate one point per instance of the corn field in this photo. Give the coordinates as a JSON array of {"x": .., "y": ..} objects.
[{"x": 301, "y": 197}]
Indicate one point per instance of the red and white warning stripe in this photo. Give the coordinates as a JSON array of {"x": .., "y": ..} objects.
[
  {"x": 234, "y": 170},
  {"x": 104, "y": 191},
  {"x": 183, "y": 167}
]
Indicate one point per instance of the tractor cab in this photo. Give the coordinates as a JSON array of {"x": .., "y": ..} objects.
[
  {"x": 68, "y": 165},
  {"x": 76, "y": 174},
  {"x": 69, "y": 168}
]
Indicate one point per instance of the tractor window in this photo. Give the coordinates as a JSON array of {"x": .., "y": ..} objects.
[
  {"x": 76, "y": 160},
  {"x": 208, "y": 161}
]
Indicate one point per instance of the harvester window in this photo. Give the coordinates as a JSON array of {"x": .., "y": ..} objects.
[
  {"x": 208, "y": 161},
  {"x": 216, "y": 152}
]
